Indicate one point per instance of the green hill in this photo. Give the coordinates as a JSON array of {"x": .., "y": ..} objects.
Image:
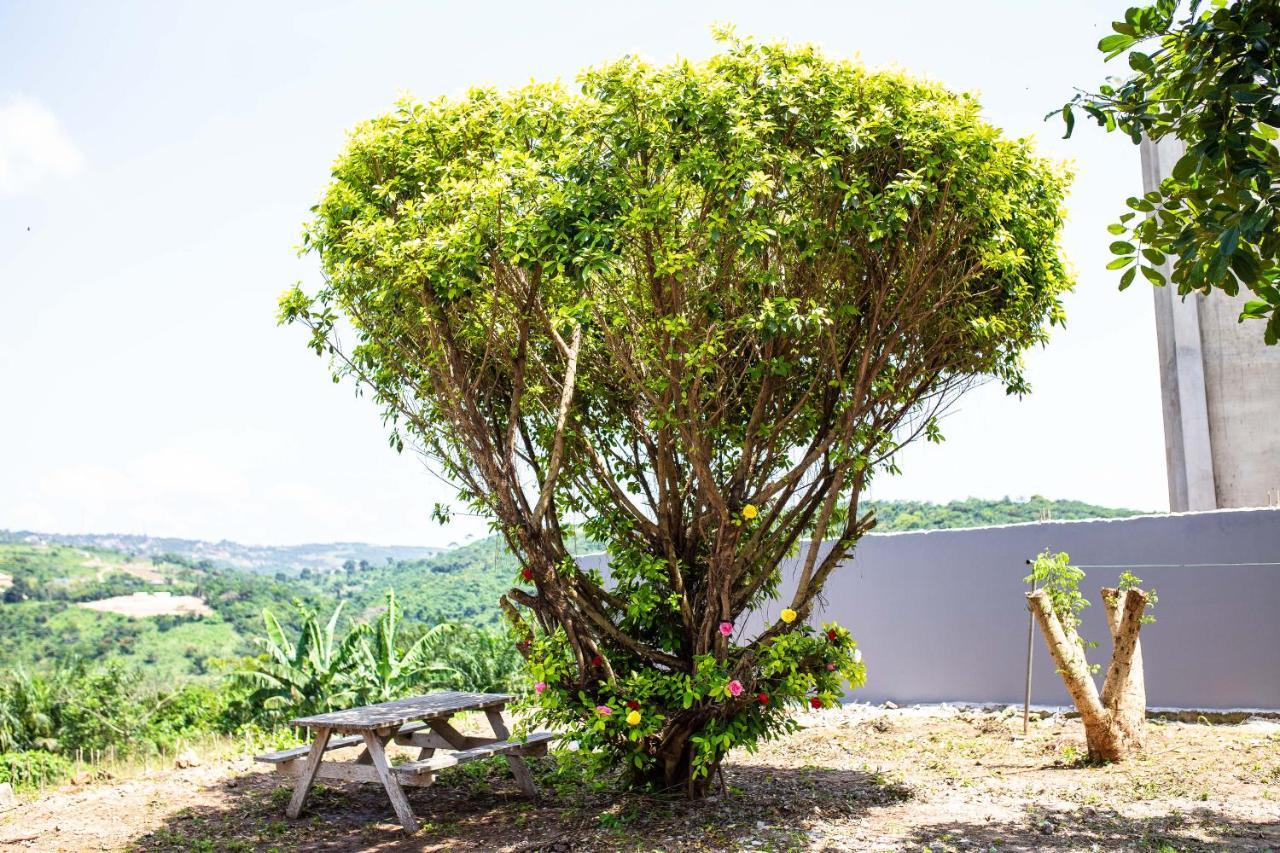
[{"x": 975, "y": 512}]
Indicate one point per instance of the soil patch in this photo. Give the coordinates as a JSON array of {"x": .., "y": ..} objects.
[
  {"x": 855, "y": 778},
  {"x": 140, "y": 605}
]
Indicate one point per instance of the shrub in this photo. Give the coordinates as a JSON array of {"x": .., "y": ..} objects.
[
  {"x": 698, "y": 307},
  {"x": 33, "y": 769}
]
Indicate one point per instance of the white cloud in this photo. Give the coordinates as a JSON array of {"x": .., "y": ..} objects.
[{"x": 33, "y": 146}]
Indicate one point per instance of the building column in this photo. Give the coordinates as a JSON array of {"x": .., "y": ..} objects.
[{"x": 1187, "y": 441}]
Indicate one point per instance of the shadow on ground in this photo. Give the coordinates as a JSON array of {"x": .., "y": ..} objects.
[
  {"x": 478, "y": 807},
  {"x": 1199, "y": 829}
]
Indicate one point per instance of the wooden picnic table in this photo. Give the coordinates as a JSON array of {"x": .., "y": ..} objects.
[{"x": 421, "y": 721}]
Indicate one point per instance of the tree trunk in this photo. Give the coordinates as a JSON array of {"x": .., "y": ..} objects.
[
  {"x": 1114, "y": 722},
  {"x": 1129, "y": 697},
  {"x": 673, "y": 771}
]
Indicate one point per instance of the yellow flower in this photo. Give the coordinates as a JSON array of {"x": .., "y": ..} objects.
[
  {"x": 749, "y": 512},
  {"x": 633, "y": 718},
  {"x": 788, "y": 615}
]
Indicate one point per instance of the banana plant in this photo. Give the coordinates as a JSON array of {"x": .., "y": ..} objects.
[
  {"x": 310, "y": 675},
  {"x": 384, "y": 672},
  {"x": 24, "y": 719}
]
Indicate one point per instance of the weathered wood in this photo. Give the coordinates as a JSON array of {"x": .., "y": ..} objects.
[
  {"x": 451, "y": 736},
  {"x": 399, "y": 802},
  {"x": 515, "y": 762},
  {"x": 433, "y": 740},
  {"x": 376, "y": 725},
  {"x": 315, "y": 756},
  {"x": 429, "y": 707},
  {"x": 536, "y": 741},
  {"x": 345, "y": 771},
  {"x": 286, "y": 755}
]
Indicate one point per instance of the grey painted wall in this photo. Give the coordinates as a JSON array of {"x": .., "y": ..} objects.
[{"x": 941, "y": 615}]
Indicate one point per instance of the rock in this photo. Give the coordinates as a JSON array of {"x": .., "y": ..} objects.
[
  {"x": 186, "y": 759},
  {"x": 890, "y": 705},
  {"x": 7, "y": 798}
]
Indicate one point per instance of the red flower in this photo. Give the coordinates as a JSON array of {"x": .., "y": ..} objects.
[
  {"x": 815, "y": 702},
  {"x": 633, "y": 705},
  {"x": 596, "y": 660},
  {"x": 832, "y": 636},
  {"x": 763, "y": 698},
  {"x": 527, "y": 574}
]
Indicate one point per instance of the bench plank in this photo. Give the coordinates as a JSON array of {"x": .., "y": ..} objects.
[
  {"x": 286, "y": 755},
  {"x": 536, "y": 744},
  {"x": 386, "y": 714}
]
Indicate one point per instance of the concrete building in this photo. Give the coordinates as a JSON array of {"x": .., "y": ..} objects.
[{"x": 1220, "y": 386}]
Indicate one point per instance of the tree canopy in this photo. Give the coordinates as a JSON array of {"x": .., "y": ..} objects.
[
  {"x": 695, "y": 308},
  {"x": 1210, "y": 78}
]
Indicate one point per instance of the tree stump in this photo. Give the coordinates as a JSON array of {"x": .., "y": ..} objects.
[{"x": 1115, "y": 720}]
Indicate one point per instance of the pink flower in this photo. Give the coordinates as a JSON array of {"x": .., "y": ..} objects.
[
  {"x": 539, "y": 687},
  {"x": 604, "y": 710},
  {"x": 735, "y": 687},
  {"x": 831, "y": 667},
  {"x": 726, "y": 628}
]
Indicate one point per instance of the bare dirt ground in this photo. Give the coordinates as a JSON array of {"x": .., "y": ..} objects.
[
  {"x": 137, "y": 568},
  {"x": 857, "y": 778},
  {"x": 140, "y": 605}
]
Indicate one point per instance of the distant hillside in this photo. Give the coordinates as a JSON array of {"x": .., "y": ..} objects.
[
  {"x": 976, "y": 512},
  {"x": 261, "y": 559}
]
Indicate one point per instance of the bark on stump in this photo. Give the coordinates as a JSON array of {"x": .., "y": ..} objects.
[{"x": 1115, "y": 720}]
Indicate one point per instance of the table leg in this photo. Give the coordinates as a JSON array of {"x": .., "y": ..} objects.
[
  {"x": 519, "y": 768},
  {"x": 373, "y": 742},
  {"x": 308, "y": 775}
]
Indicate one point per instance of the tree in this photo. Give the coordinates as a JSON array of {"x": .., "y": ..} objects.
[
  {"x": 1115, "y": 719},
  {"x": 693, "y": 308},
  {"x": 1210, "y": 78}
]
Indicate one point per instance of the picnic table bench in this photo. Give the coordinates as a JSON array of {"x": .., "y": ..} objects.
[{"x": 420, "y": 721}]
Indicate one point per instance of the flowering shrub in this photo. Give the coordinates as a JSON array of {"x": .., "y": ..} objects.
[
  {"x": 696, "y": 308},
  {"x": 736, "y": 702}
]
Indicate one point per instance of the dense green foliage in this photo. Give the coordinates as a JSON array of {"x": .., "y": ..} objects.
[
  {"x": 78, "y": 707},
  {"x": 1210, "y": 77},
  {"x": 973, "y": 512},
  {"x": 323, "y": 669},
  {"x": 698, "y": 307}
]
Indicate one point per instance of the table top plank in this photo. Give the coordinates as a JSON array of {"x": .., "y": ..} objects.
[{"x": 431, "y": 706}]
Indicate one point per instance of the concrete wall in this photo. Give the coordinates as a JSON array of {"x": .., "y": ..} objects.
[
  {"x": 941, "y": 615},
  {"x": 1242, "y": 388},
  {"x": 1220, "y": 386}
]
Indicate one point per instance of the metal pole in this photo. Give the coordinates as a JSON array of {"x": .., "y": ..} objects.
[{"x": 1026, "y": 696}]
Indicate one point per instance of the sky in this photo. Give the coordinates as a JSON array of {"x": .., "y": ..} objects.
[{"x": 157, "y": 161}]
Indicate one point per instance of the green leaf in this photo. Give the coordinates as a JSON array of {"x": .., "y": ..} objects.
[
  {"x": 1120, "y": 263},
  {"x": 1153, "y": 275},
  {"x": 1127, "y": 278},
  {"x": 1139, "y": 61},
  {"x": 1121, "y": 247},
  {"x": 1255, "y": 309},
  {"x": 1115, "y": 43},
  {"x": 1116, "y": 228}
]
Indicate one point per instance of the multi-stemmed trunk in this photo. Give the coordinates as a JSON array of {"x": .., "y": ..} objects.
[{"x": 1115, "y": 719}]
